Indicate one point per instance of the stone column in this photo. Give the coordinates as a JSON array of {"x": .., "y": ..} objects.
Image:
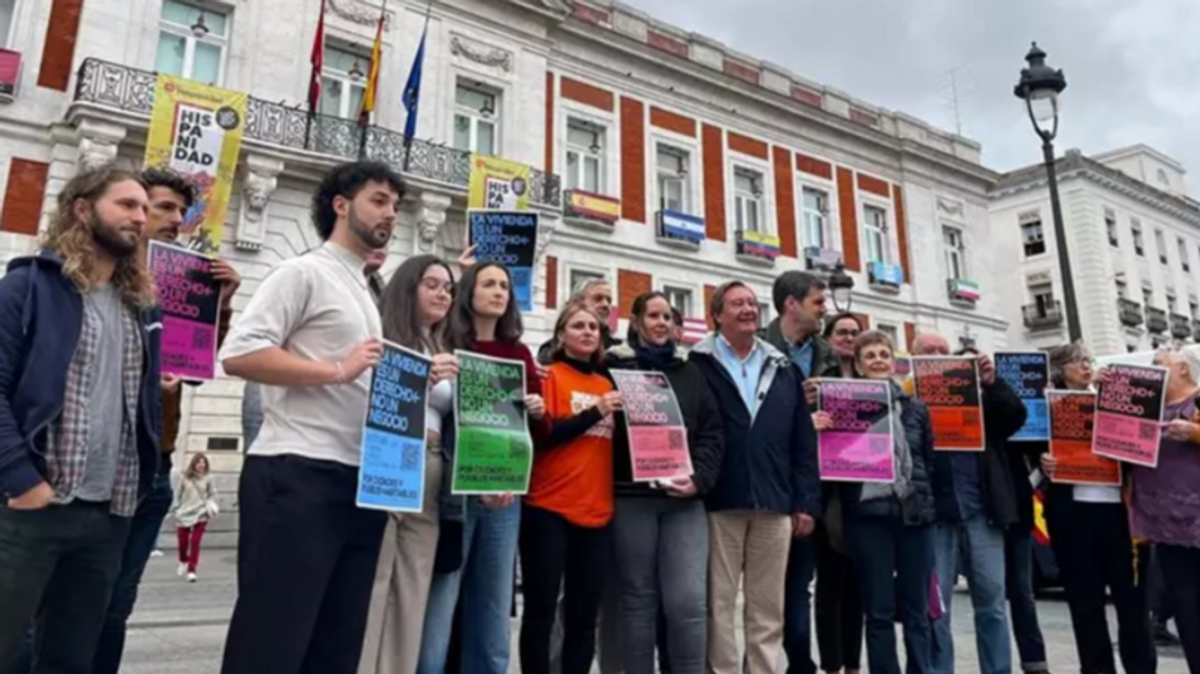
[
  {"x": 259, "y": 179},
  {"x": 430, "y": 215}
]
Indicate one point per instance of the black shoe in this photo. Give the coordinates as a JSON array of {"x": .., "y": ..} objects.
[{"x": 1163, "y": 636}]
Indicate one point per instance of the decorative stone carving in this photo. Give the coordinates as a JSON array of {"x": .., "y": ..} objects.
[
  {"x": 98, "y": 143},
  {"x": 547, "y": 226},
  {"x": 430, "y": 216},
  {"x": 950, "y": 207},
  {"x": 493, "y": 57},
  {"x": 259, "y": 180},
  {"x": 354, "y": 12}
]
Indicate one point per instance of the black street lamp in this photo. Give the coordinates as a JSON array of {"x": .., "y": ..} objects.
[
  {"x": 1039, "y": 87},
  {"x": 841, "y": 286}
]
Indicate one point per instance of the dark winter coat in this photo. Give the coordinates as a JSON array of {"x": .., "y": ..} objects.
[{"x": 826, "y": 363}]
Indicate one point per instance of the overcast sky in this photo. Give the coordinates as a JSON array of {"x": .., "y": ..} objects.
[{"x": 1132, "y": 66}]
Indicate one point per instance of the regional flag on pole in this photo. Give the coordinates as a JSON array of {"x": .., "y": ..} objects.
[
  {"x": 317, "y": 59},
  {"x": 369, "y": 94}
]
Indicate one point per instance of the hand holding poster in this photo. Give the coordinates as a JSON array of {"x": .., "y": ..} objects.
[
  {"x": 493, "y": 451},
  {"x": 949, "y": 387},
  {"x": 189, "y": 297},
  {"x": 392, "y": 473},
  {"x": 657, "y": 437},
  {"x": 1129, "y": 408},
  {"x": 1027, "y": 374},
  {"x": 859, "y": 446},
  {"x": 1072, "y": 422},
  {"x": 508, "y": 238}
]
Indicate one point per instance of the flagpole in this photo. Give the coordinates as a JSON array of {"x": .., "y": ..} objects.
[
  {"x": 318, "y": 43},
  {"x": 408, "y": 140}
]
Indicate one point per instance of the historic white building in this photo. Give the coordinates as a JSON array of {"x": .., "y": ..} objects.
[
  {"x": 1133, "y": 242},
  {"x": 662, "y": 159}
]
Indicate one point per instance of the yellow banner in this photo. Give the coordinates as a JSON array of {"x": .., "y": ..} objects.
[
  {"x": 196, "y": 131},
  {"x": 498, "y": 184}
]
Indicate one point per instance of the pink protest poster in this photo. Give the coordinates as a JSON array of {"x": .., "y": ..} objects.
[
  {"x": 657, "y": 436},
  {"x": 859, "y": 446},
  {"x": 1129, "y": 409},
  {"x": 189, "y": 297}
]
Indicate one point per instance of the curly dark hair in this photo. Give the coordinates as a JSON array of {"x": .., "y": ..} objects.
[
  {"x": 165, "y": 177},
  {"x": 461, "y": 327},
  {"x": 346, "y": 180}
]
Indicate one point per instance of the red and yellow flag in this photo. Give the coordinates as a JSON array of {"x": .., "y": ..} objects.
[{"x": 369, "y": 94}]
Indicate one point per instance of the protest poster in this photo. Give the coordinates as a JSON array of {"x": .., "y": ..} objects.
[
  {"x": 189, "y": 297},
  {"x": 658, "y": 443},
  {"x": 1072, "y": 423},
  {"x": 508, "y": 238},
  {"x": 497, "y": 184},
  {"x": 196, "y": 131},
  {"x": 1129, "y": 408},
  {"x": 859, "y": 446},
  {"x": 391, "y": 475},
  {"x": 493, "y": 451},
  {"x": 949, "y": 387},
  {"x": 1028, "y": 374}
]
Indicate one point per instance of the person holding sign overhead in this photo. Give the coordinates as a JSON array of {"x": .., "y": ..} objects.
[
  {"x": 484, "y": 320},
  {"x": 565, "y": 534},
  {"x": 306, "y": 553},
  {"x": 889, "y": 527},
  {"x": 975, "y": 507},
  {"x": 660, "y": 530},
  {"x": 1096, "y": 554}
]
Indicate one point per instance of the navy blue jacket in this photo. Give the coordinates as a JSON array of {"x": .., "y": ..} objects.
[
  {"x": 41, "y": 319},
  {"x": 770, "y": 461}
]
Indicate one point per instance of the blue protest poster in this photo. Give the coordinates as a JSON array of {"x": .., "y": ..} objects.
[
  {"x": 1028, "y": 375},
  {"x": 508, "y": 238},
  {"x": 392, "y": 473}
]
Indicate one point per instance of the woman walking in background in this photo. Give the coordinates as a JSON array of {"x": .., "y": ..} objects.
[
  {"x": 661, "y": 532},
  {"x": 414, "y": 306},
  {"x": 565, "y": 516},
  {"x": 195, "y": 503}
]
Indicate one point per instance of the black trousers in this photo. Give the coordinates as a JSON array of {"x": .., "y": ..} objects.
[
  {"x": 1095, "y": 551},
  {"x": 839, "y": 609},
  {"x": 57, "y": 570},
  {"x": 558, "y": 554},
  {"x": 306, "y": 564},
  {"x": 1181, "y": 573}
]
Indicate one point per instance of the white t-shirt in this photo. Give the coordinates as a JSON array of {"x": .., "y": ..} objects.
[
  {"x": 316, "y": 306},
  {"x": 441, "y": 400}
]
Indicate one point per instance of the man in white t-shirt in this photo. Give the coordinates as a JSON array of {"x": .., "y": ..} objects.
[{"x": 310, "y": 334}]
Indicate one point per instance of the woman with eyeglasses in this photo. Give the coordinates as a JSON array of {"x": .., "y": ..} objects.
[
  {"x": 1096, "y": 552},
  {"x": 414, "y": 306}
]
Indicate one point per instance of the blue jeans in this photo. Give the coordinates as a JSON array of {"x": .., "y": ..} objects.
[
  {"x": 894, "y": 563},
  {"x": 486, "y": 584},
  {"x": 143, "y": 536},
  {"x": 1018, "y": 552},
  {"x": 797, "y": 612},
  {"x": 983, "y": 565}
]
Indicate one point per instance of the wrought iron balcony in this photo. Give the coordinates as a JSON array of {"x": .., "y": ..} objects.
[
  {"x": 1129, "y": 312},
  {"x": 1046, "y": 316},
  {"x": 132, "y": 90},
  {"x": 1181, "y": 326},
  {"x": 1156, "y": 320}
]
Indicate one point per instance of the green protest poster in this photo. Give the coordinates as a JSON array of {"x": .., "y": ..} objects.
[{"x": 493, "y": 452}]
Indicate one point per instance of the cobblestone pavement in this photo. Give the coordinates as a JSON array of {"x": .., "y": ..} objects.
[{"x": 180, "y": 628}]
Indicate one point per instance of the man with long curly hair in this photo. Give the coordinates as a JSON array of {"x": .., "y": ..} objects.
[{"x": 79, "y": 416}]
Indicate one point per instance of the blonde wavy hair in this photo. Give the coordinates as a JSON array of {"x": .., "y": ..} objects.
[{"x": 75, "y": 243}]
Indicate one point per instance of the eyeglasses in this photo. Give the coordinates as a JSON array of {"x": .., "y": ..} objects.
[
  {"x": 433, "y": 285},
  {"x": 845, "y": 333}
]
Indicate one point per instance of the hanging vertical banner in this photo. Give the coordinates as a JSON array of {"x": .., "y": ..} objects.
[
  {"x": 508, "y": 238},
  {"x": 1129, "y": 409},
  {"x": 498, "y": 184},
  {"x": 190, "y": 298},
  {"x": 392, "y": 473},
  {"x": 1072, "y": 424},
  {"x": 1028, "y": 374},
  {"x": 859, "y": 447},
  {"x": 196, "y": 131},
  {"x": 949, "y": 387},
  {"x": 657, "y": 436},
  {"x": 493, "y": 451}
]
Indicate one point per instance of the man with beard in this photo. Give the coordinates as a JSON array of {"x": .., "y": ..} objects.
[
  {"x": 79, "y": 417},
  {"x": 306, "y": 552}
]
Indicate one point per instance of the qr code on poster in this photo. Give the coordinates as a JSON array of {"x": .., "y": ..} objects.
[
  {"x": 675, "y": 440},
  {"x": 517, "y": 448},
  {"x": 202, "y": 339},
  {"x": 1147, "y": 431},
  {"x": 410, "y": 458},
  {"x": 879, "y": 446}
]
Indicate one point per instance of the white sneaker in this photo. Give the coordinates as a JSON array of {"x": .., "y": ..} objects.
[
  {"x": 156, "y": 553},
  {"x": 191, "y": 577},
  {"x": 182, "y": 570}
]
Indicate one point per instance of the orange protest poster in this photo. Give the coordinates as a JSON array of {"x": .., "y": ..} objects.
[
  {"x": 1072, "y": 425},
  {"x": 949, "y": 387}
]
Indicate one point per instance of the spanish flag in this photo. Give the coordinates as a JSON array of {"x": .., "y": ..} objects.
[{"x": 369, "y": 94}]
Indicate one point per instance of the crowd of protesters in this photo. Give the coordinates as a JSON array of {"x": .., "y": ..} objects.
[{"x": 640, "y": 576}]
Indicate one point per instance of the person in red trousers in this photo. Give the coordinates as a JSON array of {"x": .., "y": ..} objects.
[{"x": 195, "y": 504}]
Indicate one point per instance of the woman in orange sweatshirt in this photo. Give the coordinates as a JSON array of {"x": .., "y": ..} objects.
[{"x": 564, "y": 524}]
